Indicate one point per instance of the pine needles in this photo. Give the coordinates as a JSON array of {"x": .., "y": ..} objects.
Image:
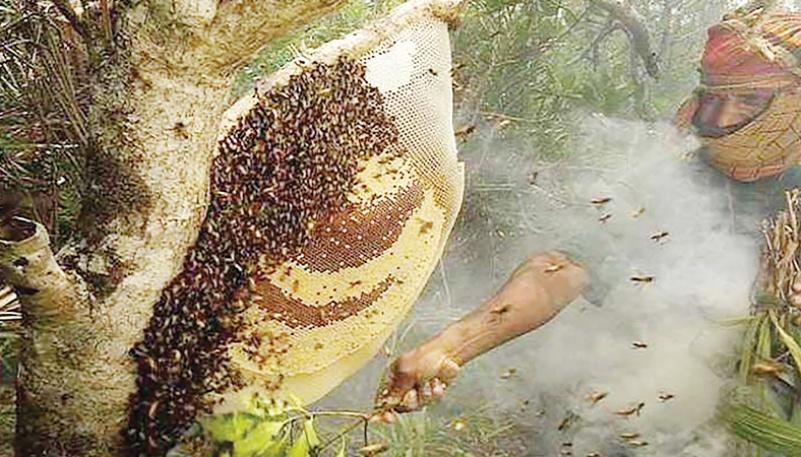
[
  {"x": 9, "y": 306},
  {"x": 43, "y": 126}
]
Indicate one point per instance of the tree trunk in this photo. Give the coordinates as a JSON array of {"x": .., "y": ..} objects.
[{"x": 156, "y": 109}]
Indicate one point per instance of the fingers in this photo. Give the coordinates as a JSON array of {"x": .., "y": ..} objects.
[
  {"x": 437, "y": 389},
  {"x": 448, "y": 370},
  {"x": 411, "y": 400}
]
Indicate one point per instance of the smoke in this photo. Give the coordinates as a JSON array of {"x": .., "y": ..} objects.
[{"x": 703, "y": 266}]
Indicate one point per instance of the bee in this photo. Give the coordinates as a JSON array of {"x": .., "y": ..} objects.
[
  {"x": 501, "y": 309},
  {"x": 643, "y": 279},
  {"x": 465, "y": 131},
  {"x": 638, "y": 212},
  {"x": 639, "y": 345},
  {"x": 601, "y": 200},
  {"x": 433, "y": 72},
  {"x": 180, "y": 130},
  {"x": 636, "y": 443},
  {"x": 629, "y": 435},
  {"x": 631, "y": 411},
  {"x": 152, "y": 410},
  {"x": 566, "y": 422},
  {"x": 509, "y": 373},
  {"x": 664, "y": 396},
  {"x": 596, "y": 397},
  {"x": 593, "y": 454},
  {"x": 554, "y": 268},
  {"x": 659, "y": 236}
]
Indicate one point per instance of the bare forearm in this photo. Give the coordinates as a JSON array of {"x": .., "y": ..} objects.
[
  {"x": 540, "y": 288},
  {"x": 495, "y": 323}
]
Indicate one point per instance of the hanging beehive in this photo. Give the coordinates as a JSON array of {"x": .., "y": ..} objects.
[
  {"x": 333, "y": 194},
  {"x": 746, "y": 108}
]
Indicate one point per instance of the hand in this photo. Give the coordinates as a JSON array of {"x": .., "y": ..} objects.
[{"x": 415, "y": 379}]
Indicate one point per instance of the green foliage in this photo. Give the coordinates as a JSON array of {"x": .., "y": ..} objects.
[
  {"x": 768, "y": 432},
  {"x": 429, "y": 433},
  {"x": 264, "y": 432},
  {"x": 545, "y": 62}
]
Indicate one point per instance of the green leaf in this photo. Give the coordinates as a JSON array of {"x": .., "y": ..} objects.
[
  {"x": 266, "y": 440},
  {"x": 763, "y": 430},
  {"x": 789, "y": 341},
  {"x": 341, "y": 452},
  {"x": 229, "y": 427},
  {"x": 749, "y": 342},
  {"x": 306, "y": 443}
]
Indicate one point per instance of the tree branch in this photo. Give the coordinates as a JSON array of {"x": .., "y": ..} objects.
[
  {"x": 634, "y": 24},
  {"x": 48, "y": 294},
  {"x": 237, "y": 29}
]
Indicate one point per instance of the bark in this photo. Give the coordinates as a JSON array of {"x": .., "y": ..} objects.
[{"x": 155, "y": 116}]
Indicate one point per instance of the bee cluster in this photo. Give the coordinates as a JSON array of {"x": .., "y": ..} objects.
[{"x": 288, "y": 164}]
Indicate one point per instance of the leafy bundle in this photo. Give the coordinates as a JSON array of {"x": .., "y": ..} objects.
[{"x": 770, "y": 360}]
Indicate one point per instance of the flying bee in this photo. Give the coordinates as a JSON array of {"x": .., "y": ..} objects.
[
  {"x": 501, "y": 309},
  {"x": 566, "y": 422},
  {"x": 636, "y": 443},
  {"x": 639, "y": 345},
  {"x": 509, "y": 373},
  {"x": 595, "y": 397},
  {"x": 601, "y": 200},
  {"x": 664, "y": 396},
  {"x": 643, "y": 279},
  {"x": 659, "y": 236},
  {"x": 604, "y": 218},
  {"x": 465, "y": 131},
  {"x": 631, "y": 411},
  {"x": 629, "y": 435},
  {"x": 638, "y": 212}
]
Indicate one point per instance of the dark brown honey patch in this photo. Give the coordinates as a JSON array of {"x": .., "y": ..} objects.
[
  {"x": 352, "y": 238},
  {"x": 295, "y": 314}
]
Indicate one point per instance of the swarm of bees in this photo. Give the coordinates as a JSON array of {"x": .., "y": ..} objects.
[{"x": 289, "y": 162}]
